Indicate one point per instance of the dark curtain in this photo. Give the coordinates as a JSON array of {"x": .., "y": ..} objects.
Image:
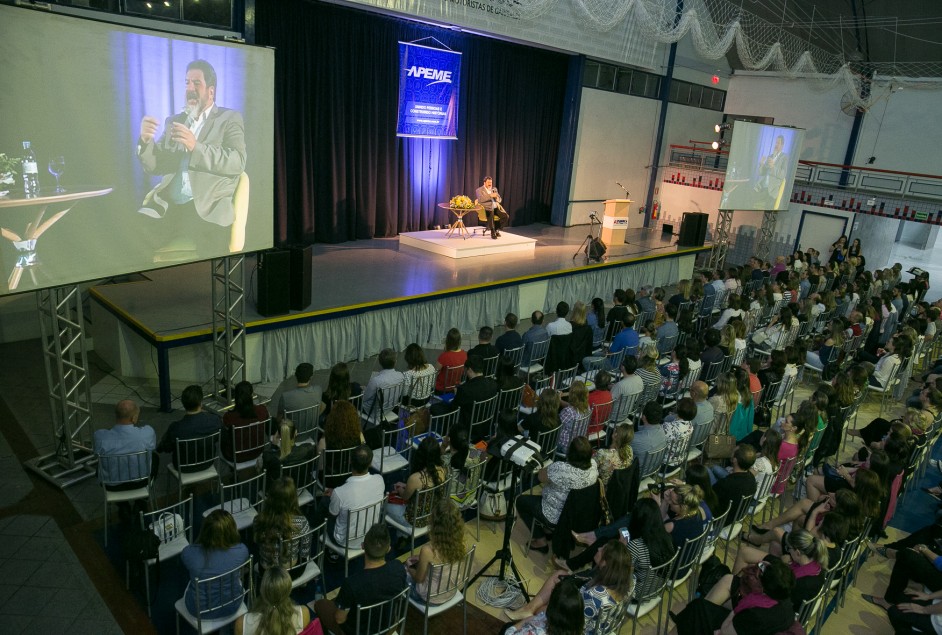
[{"x": 341, "y": 173}]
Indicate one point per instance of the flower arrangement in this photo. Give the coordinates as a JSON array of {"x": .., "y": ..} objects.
[
  {"x": 460, "y": 202},
  {"x": 9, "y": 169}
]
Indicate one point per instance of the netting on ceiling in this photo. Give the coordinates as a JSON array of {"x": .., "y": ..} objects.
[{"x": 715, "y": 26}]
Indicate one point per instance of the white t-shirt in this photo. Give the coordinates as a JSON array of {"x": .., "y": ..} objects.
[{"x": 358, "y": 491}]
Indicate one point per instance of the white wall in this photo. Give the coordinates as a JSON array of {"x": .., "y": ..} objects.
[
  {"x": 909, "y": 138},
  {"x": 799, "y": 103}
]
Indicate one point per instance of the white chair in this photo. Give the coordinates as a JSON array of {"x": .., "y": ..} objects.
[
  {"x": 195, "y": 461},
  {"x": 359, "y": 521},
  {"x": 623, "y": 408},
  {"x": 733, "y": 528},
  {"x": 515, "y": 355},
  {"x": 466, "y": 491},
  {"x": 602, "y": 415},
  {"x": 336, "y": 467},
  {"x": 538, "y": 352},
  {"x": 563, "y": 377},
  {"x": 305, "y": 422},
  {"x": 449, "y": 580},
  {"x": 685, "y": 563},
  {"x": 422, "y": 502},
  {"x": 383, "y": 618},
  {"x": 246, "y": 444},
  {"x": 124, "y": 478},
  {"x": 421, "y": 388},
  {"x": 482, "y": 418},
  {"x": 650, "y": 465},
  {"x": 241, "y": 500},
  {"x": 382, "y": 409},
  {"x": 396, "y": 449},
  {"x": 490, "y": 366},
  {"x": 236, "y": 583},
  {"x": 652, "y": 587},
  {"x": 303, "y": 475},
  {"x": 440, "y": 424},
  {"x": 173, "y": 526}
]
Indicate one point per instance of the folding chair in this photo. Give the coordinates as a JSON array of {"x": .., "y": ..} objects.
[
  {"x": 538, "y": 352},
  {"x": 384, "y": 618},
  {"x": 247, "y": 443},
  {"x": 563, "y": 378},
  {"x": 440, "y": 424},
  {"x": 712, "y": 372},
  {"x": 303, "y": 475},
  {"x": 515, "y": 355},
  {"x": 580, "y": 428},
  {"x": 337, "y": 466},
  {"x": 599, "y": 421},
  {"x": 446, "y": 580},
  {"x": 490, "y": 366},
  {"x": 685, "y": 563},
  {"x": 482, "y": 418},
  {"x": 304, "y": 555},
  {"x": 653, "y": 584},
  {"x": 173, "y": 526},
  {"x": 453, "y": 377},
  {"x": 650, "y": 465},
  {"x": 623, "y": 408},
  {"x": 230, "y": 589},
  {"x": 422, "y": 502},
  {"x": 305, "y": 422},
  {"x": 733, "y": 529},
  {"x": 396, "y": 449},
  {"x": 466, "y": 491}
]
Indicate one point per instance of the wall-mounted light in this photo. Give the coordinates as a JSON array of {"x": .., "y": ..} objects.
[
  {"x": 719, "y": 143},
  {"x": 720, "y": 127}
]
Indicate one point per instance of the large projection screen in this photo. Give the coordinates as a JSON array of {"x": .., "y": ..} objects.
[
  {"x": 761, "y": 169},
  {"x": 200, "y": 188}
]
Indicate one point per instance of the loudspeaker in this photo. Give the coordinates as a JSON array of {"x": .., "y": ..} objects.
[
  {"x": 301, "y": 270},
  {"x": 667, "y": 229},
  {"x": 693, "y": 229},
  {"x": 597, "y": 249},
  {"x": 274, "y": 278}
]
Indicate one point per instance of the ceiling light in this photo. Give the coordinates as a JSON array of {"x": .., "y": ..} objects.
[{"x": 720, "y": 127}]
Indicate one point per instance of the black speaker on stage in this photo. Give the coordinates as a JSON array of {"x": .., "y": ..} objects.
[
  {"x": 693, "y": 229},
  {"x": 274, "y": 280},
  {"x": 597, "y": 249},
  {"x": 301, "y": 271}
]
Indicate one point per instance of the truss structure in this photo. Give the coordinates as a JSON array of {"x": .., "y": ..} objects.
[
  {"x": 228, "y": 280},
  {"x": 724, "y": 221}
]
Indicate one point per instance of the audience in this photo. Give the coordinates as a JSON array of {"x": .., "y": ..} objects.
[{"x": 217, "y": 550}]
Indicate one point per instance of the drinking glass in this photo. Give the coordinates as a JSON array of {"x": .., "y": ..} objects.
[{"x": 56, "y": 168}]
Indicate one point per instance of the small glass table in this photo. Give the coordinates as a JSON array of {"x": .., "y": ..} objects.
[
  {"x": 460, "y": 213},
  {"x": 25, "y": 243}
]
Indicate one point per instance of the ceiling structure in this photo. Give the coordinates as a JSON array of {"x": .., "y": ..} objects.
[{"x": 892, "y": 37}]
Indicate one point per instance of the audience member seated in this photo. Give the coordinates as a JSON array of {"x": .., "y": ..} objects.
[
  {"x": 630, "y": 383},
  {"x": 739, "y": 485},
  {"x": 578, "y": 471},
  {"x": 445, "y": 546},
  {"x": 339, "y": 388},
  {"x": 296, "y": 392},
  {"x": 575, "y": 407},
  {"x": 726, "y": 395},
  {"x": 684, "y": 512},
  {"x": 459, "y": 459},
  {"x": 341, "y": 432},
  {"x": 650, "y": 435},
  {"x": 627, "y": 339},
  {"x": 452, "y": 357},
  {"x": 705, "y": 411},
  {"x": 808, "y": 515},
  {"x": 195, "y": 424},
  {"x": 742, "y": 420},
  {"x": 418, "y": 386},
  {"x": 757, "y": 602},
  {"x": 283, "y": 451},
  {"x": 545, "y": 417},
  {"x": 595, "y": 318},
  {"x": 379, "y": 581},
  {"x": 711, "y": 352},
  {"x": 534, "y": 335},
  {"x": 647, "y": 368},
  {"x": 619, "y": 456},
  {"x": 218, "y": 549},
  {"x": 273, "y": 611},
  {"x": 507, "y": 378},
  {"x": 126, "y": 437},
  {"x": 476, "y": 388},
  {"x": 426, "y": 471},
  {"x": 484, "y": 349},
  {"x": 605, "y": 591},
  {"x": 560, "y": 326},
  {"x": 733, "y": 310},
  {"x": 280, "y": 519},
  {"x": 580, "y": 345},
  {"x": 359, "y": 490},
  {"x": 674, "y": 371},
  {"x": 510, "y": 339},
  {"x": 387, "y": 378},
  {"x": 600, "y": 401},
  {"x": 563, "y": 614},
  {"x": 244, "y": 411}
]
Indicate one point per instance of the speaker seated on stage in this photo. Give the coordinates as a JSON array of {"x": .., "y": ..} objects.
[{"x": 490, "y": 200}]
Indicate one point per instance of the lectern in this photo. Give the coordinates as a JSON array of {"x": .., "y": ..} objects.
[{"x": 617, "y": 220}]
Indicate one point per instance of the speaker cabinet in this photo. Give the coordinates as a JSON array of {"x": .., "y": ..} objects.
[
  {"x": 693, "y": 229},
  {"x": 301, "y": 271},
  {"x": 274, "y": 282}
]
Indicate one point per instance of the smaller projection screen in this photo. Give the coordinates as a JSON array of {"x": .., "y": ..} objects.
[
  {"x": 429, "y": 85},
  {"x": 151, "y": 149},
  {"x": 761, "y": 169}
]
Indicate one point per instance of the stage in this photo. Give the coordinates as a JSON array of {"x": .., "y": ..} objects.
[
  {"x": 366, "y": 295},
  {"x": 438, "y": 242}
]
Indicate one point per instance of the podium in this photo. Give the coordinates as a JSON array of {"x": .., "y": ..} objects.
[{"x": 617, "y": 220}]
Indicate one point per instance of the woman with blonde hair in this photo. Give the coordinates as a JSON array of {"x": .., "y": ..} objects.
[
  {"x": 617, "y": 457},
  {"x": 283, "y": 450},
  {"x": 546, "y": 415},
  {"x": 727, "y": 396},
  {"x": 445, "y": 546},
  {"x": 575, "y": 407},
  {"x": 273, "y": 612}
]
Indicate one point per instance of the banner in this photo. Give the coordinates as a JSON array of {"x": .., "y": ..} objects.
[{"x": 429, "y": 82}]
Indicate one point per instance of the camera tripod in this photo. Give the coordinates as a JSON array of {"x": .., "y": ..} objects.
[{"x": 586, "y": 246}]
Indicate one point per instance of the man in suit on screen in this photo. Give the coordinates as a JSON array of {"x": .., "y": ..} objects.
[
  {"x": 773, "y": 169},
  {"x": 201, "y": 157},
  {"x": 490, "y": 199}
]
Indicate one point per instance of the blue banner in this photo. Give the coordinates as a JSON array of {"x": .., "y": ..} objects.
[{"x": 429, "y": 81}]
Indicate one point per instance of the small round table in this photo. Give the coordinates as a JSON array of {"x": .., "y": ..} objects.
[
  {"x": 460, "y": 213},
  {"x": 25, "y": 244}
]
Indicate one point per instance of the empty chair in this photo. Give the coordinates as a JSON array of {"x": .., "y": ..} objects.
[
  {"x": 465, "y": 490},
  {"x": 440, "y": 424},
  {"x": 396, "y": 448},
  {"x": 482, "y": 418},
  {"x": 241, "y": 500},
  {"x": 563, "y": 377},
  {"x": 195, "y": 461}
]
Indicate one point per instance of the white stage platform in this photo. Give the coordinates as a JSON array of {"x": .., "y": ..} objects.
[{"x": 455, "y": 247}]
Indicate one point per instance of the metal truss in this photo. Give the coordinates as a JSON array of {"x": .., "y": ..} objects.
[
  {"x": 228, "y": 326},
  {"x": 765, "y": 233},
  {"x": 724, "y": 221},
  {"x": 66, "y": 360}
]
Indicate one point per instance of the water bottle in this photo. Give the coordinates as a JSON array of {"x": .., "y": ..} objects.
[{"x": 30, "y": 171}]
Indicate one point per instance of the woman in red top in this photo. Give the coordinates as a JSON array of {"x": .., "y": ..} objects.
[
  {"x": 244, "y": 412},
  {"x": 600, "y": 401},
  {"x": 452, "y": 356}
]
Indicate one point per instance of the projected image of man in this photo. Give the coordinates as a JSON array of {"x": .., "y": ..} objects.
[
  {"x": 201, "y": 157},
  {"x": 773, "y": 171}
]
